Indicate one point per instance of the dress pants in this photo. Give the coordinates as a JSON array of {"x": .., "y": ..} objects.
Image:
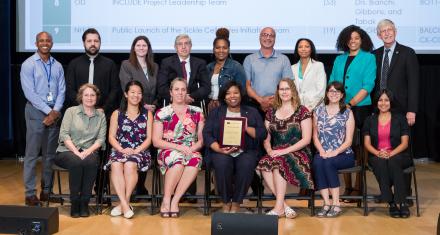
[
  {"x": 234, "y": 175},
  {"x": 389, "y": 172},
  {"x": 326, "y": 169},
  {"x": 82, "y": 173},
  {"x": 38, "y": 137}
]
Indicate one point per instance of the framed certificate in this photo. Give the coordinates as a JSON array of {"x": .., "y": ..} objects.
[{"x": 232, "y": 132}]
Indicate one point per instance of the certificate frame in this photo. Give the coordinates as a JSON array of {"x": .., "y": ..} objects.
[{"x": 223, "y": 135}]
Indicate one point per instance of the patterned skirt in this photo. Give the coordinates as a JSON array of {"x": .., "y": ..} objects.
[
  {"x": 167, "y": 158},
  {"x": 142, "y": 160},
  {"x": 294, "y": 168}
]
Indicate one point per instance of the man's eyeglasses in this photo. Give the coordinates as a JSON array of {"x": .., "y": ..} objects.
[{"x": 267, "y": 35}]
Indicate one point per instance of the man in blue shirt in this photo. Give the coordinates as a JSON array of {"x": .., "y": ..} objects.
[
  {"x": 265, "y": 69},
  {"x": 42, "y": 81}
]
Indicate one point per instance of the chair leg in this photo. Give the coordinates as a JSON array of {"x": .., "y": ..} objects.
[
  {"x": 206, "y": 196},
  {"x": 417, "y": 193},
  {"x": 259, "y": 196},
  {"x": 59, "y": 187},
  {"x": 364, "y": 191}
]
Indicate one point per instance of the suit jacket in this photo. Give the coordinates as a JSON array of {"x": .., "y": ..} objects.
[
  {"x": 105, "y": 78},
  {"x": 399, "y": 128},
  {"x": 403, "y": 78},
  {"x": 130, "y": 73},
  {"x": 360, "y": 75},
  {"x": 211, "y": 131},
  {"x": 311, "y": 89},
  {"x": 199, "y": 86}
]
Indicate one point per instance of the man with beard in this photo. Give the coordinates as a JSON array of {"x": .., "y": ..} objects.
[
  {"x": 96, "y": 69},
  {"x": 42, "y": 81}
]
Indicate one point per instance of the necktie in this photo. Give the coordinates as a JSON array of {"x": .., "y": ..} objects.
[
  {"x": 385, "y": 68},
  {"x": 183, "y": 63},
  {"x": 91, "y": 70}
]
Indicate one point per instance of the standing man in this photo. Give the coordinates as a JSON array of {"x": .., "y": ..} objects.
[
  {"x": 398, "y": 70},
  {"x": 264, "y": 70},
  {"x": 96, "y": 69},
  {"x": 190, "y": 68},
  {"x": 42, "y": 81}
]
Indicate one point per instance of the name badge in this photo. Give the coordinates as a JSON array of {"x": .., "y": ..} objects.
[{"x": 49, "y": 97}]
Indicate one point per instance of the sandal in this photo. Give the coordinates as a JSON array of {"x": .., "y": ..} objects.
[
  {"x": 290, "y": 213},
  {"x": 324, "y": 210},
  {"x": 334, "y": 213},
  {"x": 272, "y": 212},
  {"x": 174, "y": 214}
]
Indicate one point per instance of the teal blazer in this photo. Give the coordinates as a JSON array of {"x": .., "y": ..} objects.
[{"x": 361, "y": 74}]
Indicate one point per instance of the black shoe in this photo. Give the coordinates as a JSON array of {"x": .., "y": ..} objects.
[
  {"x": 84, "y": 208},
  {"x": 189, "y": 200},
  {"x": 74, "y": 209},
  {"x": 393, "y": 210},
  {"x": 32, "y": 201},
  {"x": 404, "y": 211}
]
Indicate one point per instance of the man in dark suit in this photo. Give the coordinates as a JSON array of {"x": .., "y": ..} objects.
[
  {"x": 95, "y": 69},
  {"x": 401, "y": 74},
  {"x": 185, "y": 66},
  {"x": 397, "y": 71}
]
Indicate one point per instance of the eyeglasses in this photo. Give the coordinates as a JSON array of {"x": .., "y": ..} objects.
[
  {"x": 267, "y": 35},
  {"x": 284, "y": 89},
  {"x": 334, "y": 92},
  {"x": 180, "y": 44}
]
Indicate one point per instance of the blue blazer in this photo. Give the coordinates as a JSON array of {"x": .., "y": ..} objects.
[{"x": 361, "y": 74}]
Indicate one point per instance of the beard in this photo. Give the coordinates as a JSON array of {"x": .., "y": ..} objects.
[{"x": 92, "y": 52}]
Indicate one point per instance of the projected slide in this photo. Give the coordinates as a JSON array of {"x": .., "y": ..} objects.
[{"x": 119, "y": 21}]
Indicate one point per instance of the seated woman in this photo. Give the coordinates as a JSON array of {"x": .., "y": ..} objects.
[
  {"x": 333, "y": 128},
  {"x": 130, "y": 137},
  {"x": 288, "y": 158},
  {"x": 223, "y": 69},
  {"x": 234, "y": 166},
  {"x": 386, "y": 137},
  {"x": 82, "y": 134},
  {"x": 178, "y": 137}
]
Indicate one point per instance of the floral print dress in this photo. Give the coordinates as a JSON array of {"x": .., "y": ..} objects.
[
  {"x": 294, "y": 167},
  {"x": 131, "y": 134},
  {"x": 179, "y": 131}
]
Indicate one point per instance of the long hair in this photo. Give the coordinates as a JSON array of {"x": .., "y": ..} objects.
[
  {"x": 296, "y": 102},
  {"x": 124, "y": 105},
  {"x": 345, "y": 35},
  {"x": 149, "y": 59},
  {"x": 339, "y": 87},
  {"x": 313, "y": 55}
]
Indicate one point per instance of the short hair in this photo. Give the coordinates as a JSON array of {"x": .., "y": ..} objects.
[
  {"x": 224, "y": 90},
  {"x": 345, "y": 35},
  {"x": 182, "y": 36},
  {"x": 42, "y": 32},
  {"x": 81, "y": 90},
  {"x": 149, "y": 59},
  {"x": 90, "y": 31},
  {"x": 379, "y": 94},
  {"x": 296, "y": 102},
  {"x": 383, "y": 23},
  {"x": 339, "y": 87},
  {"x": 273, "y": 30},
  {"x": 296, "y": 56}
]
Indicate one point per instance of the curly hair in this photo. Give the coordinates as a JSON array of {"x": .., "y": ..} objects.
[
  {"x": 313, "y": 55},
  {"x": 345, "y": 35}
]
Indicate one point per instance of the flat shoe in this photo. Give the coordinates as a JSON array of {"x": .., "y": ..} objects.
[
  {"x": 290, "y": 213},
  {"x": 129, "y": 214},
  {"x": 334, "y": 213},
  {"x": 116, "y": 211},
  {"x": 323, "y": 212},
  {"x": 174, "y": 214},
  {"x": 272, "y": 212}
]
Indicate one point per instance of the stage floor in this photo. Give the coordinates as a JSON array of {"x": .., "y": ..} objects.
[{"x": 192, "y": 220}]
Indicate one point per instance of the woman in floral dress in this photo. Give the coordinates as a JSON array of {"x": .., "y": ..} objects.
[
  {"x": 130, "y": 136},
  {"x": 288, "y": 156},
  {"x": 178, "y": 137}
]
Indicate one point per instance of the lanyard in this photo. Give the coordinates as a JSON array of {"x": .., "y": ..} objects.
[{"x": 48, "y": 73}]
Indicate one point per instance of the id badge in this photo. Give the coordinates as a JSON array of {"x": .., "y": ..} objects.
[{"x": 49, "y": 97}]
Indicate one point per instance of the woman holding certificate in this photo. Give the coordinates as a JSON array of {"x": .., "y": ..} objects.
[
  {"x": 233, "y": 132},
  {"x": 288, "y": 158},
  {"x": 178, "y": 137}
]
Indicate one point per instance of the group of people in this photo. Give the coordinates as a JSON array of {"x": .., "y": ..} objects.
[{"x": 285, "y": 108}]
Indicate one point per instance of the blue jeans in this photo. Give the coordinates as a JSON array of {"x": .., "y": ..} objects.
[{"x": 326, "y": 169}]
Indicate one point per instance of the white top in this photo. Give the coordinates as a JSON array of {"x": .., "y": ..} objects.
[
  {"x": 311, "y": 89},
  {"x": 214, "y": 87}
]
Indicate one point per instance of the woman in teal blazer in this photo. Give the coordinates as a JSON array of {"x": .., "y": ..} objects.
[{"x": 356, "y": 69}]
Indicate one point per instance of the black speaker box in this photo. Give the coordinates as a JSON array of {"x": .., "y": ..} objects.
[
  {"x": 28, "y": 220},
  {"x": 243, "y": 224}
]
